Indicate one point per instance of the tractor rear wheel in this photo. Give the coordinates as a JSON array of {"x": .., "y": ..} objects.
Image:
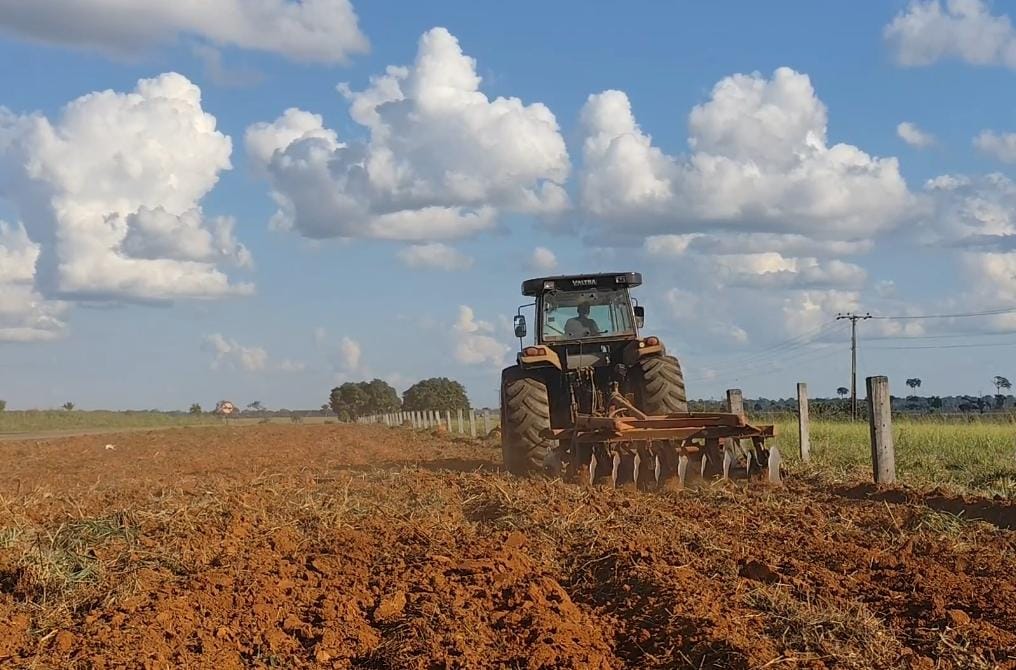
[
  {"x": 525, "y": 415},
  {"x": 660, "y": 384}
]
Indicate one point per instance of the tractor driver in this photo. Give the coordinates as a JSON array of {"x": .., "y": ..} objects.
[{"x": 581, "y": 325}]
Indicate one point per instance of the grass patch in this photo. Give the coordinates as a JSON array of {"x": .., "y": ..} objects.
[
  {"x": 48, "y": 565},
  {"x": 845, "y": 632},
  {"x": 24, "y": 421},
  {"x": 975, "y": 457}
]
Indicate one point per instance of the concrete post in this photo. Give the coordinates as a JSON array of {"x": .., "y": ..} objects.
[
  {"x": 803, "y": 422},
  {"x": 883, "y": 453}
]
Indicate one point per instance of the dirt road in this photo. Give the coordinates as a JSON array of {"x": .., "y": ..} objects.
[{"x": 363, "y": 547}]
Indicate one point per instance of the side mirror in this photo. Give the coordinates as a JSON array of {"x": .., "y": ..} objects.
[
  {"x": 640, "y": 316},
  {"x": 520, "y": 326}
]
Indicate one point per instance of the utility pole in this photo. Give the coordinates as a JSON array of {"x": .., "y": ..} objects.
[{"x": 854, "y": 318}]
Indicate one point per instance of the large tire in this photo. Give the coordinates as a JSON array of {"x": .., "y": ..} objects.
[
  {"x": 661, "y": 385},
  {"x": 525, "y": 415}
]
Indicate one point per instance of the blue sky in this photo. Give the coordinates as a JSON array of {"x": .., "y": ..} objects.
[{"x": 749, "y": 162}]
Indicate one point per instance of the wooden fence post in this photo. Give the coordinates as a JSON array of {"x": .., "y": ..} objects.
[
  {"x": 803, "y": 423},
  {"x": 486, "y": 423},
  {"x": 472, "y": 423},
  {"x": 462, "y": 425},
  {"x": 883, "y": 454}
]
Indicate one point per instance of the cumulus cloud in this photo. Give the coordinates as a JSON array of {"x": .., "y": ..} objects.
[
  {"x": 475, "y": 343},
  {"x": 760, "y": 162},
  {"x": 229, "y": 353},
  {"x": 442, "y": 159},
  {"x": 970, "y": 211},
  {"x": 542, "y": 260},
  {"x": 111, "y": 192},
  {"x": 772, "y": 270},
  {"x": 914, "y": 136},
  {"x": 928, "y": 31},
  {"x": 25, "y": 316},
  {"x": 1001, "y": 146},
  {"x": 321, "y": 31},
  {"x": 977, "y": 216},
  {"x": 673, "y": 246},
  {"x": 434, "y": 256}
]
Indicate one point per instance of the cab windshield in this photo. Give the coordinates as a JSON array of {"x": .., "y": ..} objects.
[{"x": 576, "y": 315}]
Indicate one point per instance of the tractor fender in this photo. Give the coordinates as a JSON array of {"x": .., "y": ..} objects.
[{"x": 547, "y": 356}]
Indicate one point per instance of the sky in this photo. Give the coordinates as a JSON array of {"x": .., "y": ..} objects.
[{"x": 261, "y": 200}]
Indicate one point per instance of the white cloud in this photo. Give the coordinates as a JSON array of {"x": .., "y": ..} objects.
[
  {"x": 999, "y": 145},
  {"x": 772, "y": 270},
  {"x": 442, "y": 159},
  {"x": 970, "y": 211},
  {"x": 914, "y": 136},
  {"x": 675, "y": 246},
  {"x": 475, "y": 344},
  {"x": 25, "y": 316},
  {"x": 929, "y": 31},
  {"x": 111, "y": 191},
  {"x": 434, "y": 256},
  {"x": 323, "y": 31},
  {"x": 229, "y": 353},
  {"x": 760, "y": 163},
  {"x": 542, "y": 260}
]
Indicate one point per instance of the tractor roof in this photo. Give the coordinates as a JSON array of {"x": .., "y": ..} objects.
[{"x": 537, "y": 286}]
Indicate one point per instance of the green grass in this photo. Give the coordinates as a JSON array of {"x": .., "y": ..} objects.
[
  {"x": 25, "y": 421},
  {"x": 973, "y": 457}
]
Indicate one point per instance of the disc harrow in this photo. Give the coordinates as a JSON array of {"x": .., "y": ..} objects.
[{"x": 629, "y": 445}]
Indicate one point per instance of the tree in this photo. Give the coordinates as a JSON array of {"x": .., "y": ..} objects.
[
  {"x": 914, "y": 383},
  {"x": 842, "y": 391},
  {"x": 438, "y": 393},
  {"x": 356, "y": 399},
  {"x": 1001, "y": 383},
  {"x": 195, "y": 409},
  {"x": 3, "y": 405},
  {"x": 326, "y": 408},
  {"x": 68, "y": 406}
]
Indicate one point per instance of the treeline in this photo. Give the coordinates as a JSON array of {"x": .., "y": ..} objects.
[
  {"x": 356, "y": 399},
  {"x": 833, "y": 407}
]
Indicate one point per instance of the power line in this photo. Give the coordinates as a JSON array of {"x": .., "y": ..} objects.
[
  {"x": 949, "y": 346},
  {"x": 777, "y": 351},
  {"x": 990, "y": 312},
  {"x": 940, "y": 336},
  {"x": 769, "y": 369}
]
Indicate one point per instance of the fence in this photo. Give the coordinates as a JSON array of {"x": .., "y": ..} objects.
[{"x": 469, "y": 422}]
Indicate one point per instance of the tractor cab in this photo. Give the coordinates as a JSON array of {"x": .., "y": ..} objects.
[
  {"x": 582, "y": 309},
  {"x": 586, "y": 331}
]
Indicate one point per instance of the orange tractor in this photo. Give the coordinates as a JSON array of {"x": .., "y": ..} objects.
[{"x": 591, "y": 397}]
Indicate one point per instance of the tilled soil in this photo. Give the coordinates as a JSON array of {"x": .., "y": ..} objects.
[{"x": 364, "y": 547}]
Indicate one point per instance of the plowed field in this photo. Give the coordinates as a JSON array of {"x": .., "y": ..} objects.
[{"x": 364, "y": 547}]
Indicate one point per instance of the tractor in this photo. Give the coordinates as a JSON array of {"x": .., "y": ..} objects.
[{"x": 591, "y": 395}]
